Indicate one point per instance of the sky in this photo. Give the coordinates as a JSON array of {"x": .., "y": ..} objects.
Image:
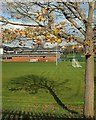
[{"x": 6, "y": 15}]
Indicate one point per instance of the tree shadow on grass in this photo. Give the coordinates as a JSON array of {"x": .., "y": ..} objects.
[{"x": 33, "y": 83}]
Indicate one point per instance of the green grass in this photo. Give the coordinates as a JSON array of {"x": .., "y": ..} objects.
[{"x": 70, "y": 93}]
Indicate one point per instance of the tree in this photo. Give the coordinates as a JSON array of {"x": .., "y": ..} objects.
[{"x": 48, "y": 13}]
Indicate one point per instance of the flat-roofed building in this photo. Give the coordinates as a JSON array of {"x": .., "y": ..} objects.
[{"x": 31, "y": 55}]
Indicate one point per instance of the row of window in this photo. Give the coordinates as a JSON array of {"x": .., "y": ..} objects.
[
  {"x": 11, "y": 57},
  {"x": 7, "y": 57}
]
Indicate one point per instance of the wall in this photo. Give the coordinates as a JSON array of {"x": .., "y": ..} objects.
[{"x": 28, "y": 59}]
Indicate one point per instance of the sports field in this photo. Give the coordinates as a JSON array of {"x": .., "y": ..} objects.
[{"x": 68, "y": 81}]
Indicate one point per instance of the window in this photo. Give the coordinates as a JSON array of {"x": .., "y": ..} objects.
[
  {"x": 9, "y": 57},
  {"x": 4, "y": 58}
]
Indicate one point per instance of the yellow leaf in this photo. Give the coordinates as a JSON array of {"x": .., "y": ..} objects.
[
  {"x": 39, "y": 17},
  {"x": 5, "y": 41},
  {"x": 38, "y": 41},
  {"x": 48, "y": 39},
  {"x": 1, "y": 36},
  {"x": 23, "y": 32},
  {"x": 55, "y": 37},
  {"x": 37, "y": 14},
  {"x": 56, "y": 30},
  {"x": 42, "y": 19},
  {"x": 53, "y": 17},
  {"x": 45, "y": 10},
  {"x": 29, "y": 38},
  {"x": 37, "y": 20},
  {"x": 67, "y": 40},
  {"x": 63, "y": 23},
  {"x": 73, "y": 44},
  {"x": 87, "y": 42},
  {"x": 38, "y": 36},
  {"x": 59, "y": 41}
]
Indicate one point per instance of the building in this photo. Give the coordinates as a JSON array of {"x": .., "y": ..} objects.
[{"x": 30, "y": 55}]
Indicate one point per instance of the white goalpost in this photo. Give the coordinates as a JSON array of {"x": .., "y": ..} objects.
[{"x": 75, "y": 62}]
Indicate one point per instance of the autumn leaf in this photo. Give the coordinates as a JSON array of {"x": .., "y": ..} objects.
[
  {"x": 5, "y": 41},
  {"x": 45, "y": 10},
  {"x": 63, "y": 23},
  {"x": 37, "y": 37},
  {"x": 73, "y": 44},
  {"x": 59, "y": 41},
  {"x": 55, "y": 37},
  {"x": 67, "y": 40},
  {"x": 37, "y": 14},
  {"x": 38, "y": 41},
  {"x": 43, "y": 19},
  {"x": 56, "y": 30},
  {"x": 37, "y": 20},
  {"x": 1, "y": 37}
]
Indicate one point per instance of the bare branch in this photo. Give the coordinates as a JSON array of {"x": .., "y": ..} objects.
[
  {"x": 24, "y": 13},
  {"x": 73, "y": 22},
  {"x": 68, "y": 17},
  {"x": 77, "y": 39},
  {"x": 5, "y": 21},
  {"x": 81, "y": 13}
]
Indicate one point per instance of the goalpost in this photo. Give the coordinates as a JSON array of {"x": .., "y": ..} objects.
[{"x": 75, "y": 62}]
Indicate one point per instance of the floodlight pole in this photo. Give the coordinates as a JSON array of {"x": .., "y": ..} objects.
[
  {"x": 73, "y": 53},
  {"x": 56, "y": 54}
]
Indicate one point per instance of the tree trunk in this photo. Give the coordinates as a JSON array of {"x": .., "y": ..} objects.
[
  {"x": 89, "y": 87},
  {"x": 89, "y": 71}
]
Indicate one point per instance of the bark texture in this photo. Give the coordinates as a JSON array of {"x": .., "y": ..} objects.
[
  {"x": 89, "y": 71},
  {"x": 89, "y": 88}
]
